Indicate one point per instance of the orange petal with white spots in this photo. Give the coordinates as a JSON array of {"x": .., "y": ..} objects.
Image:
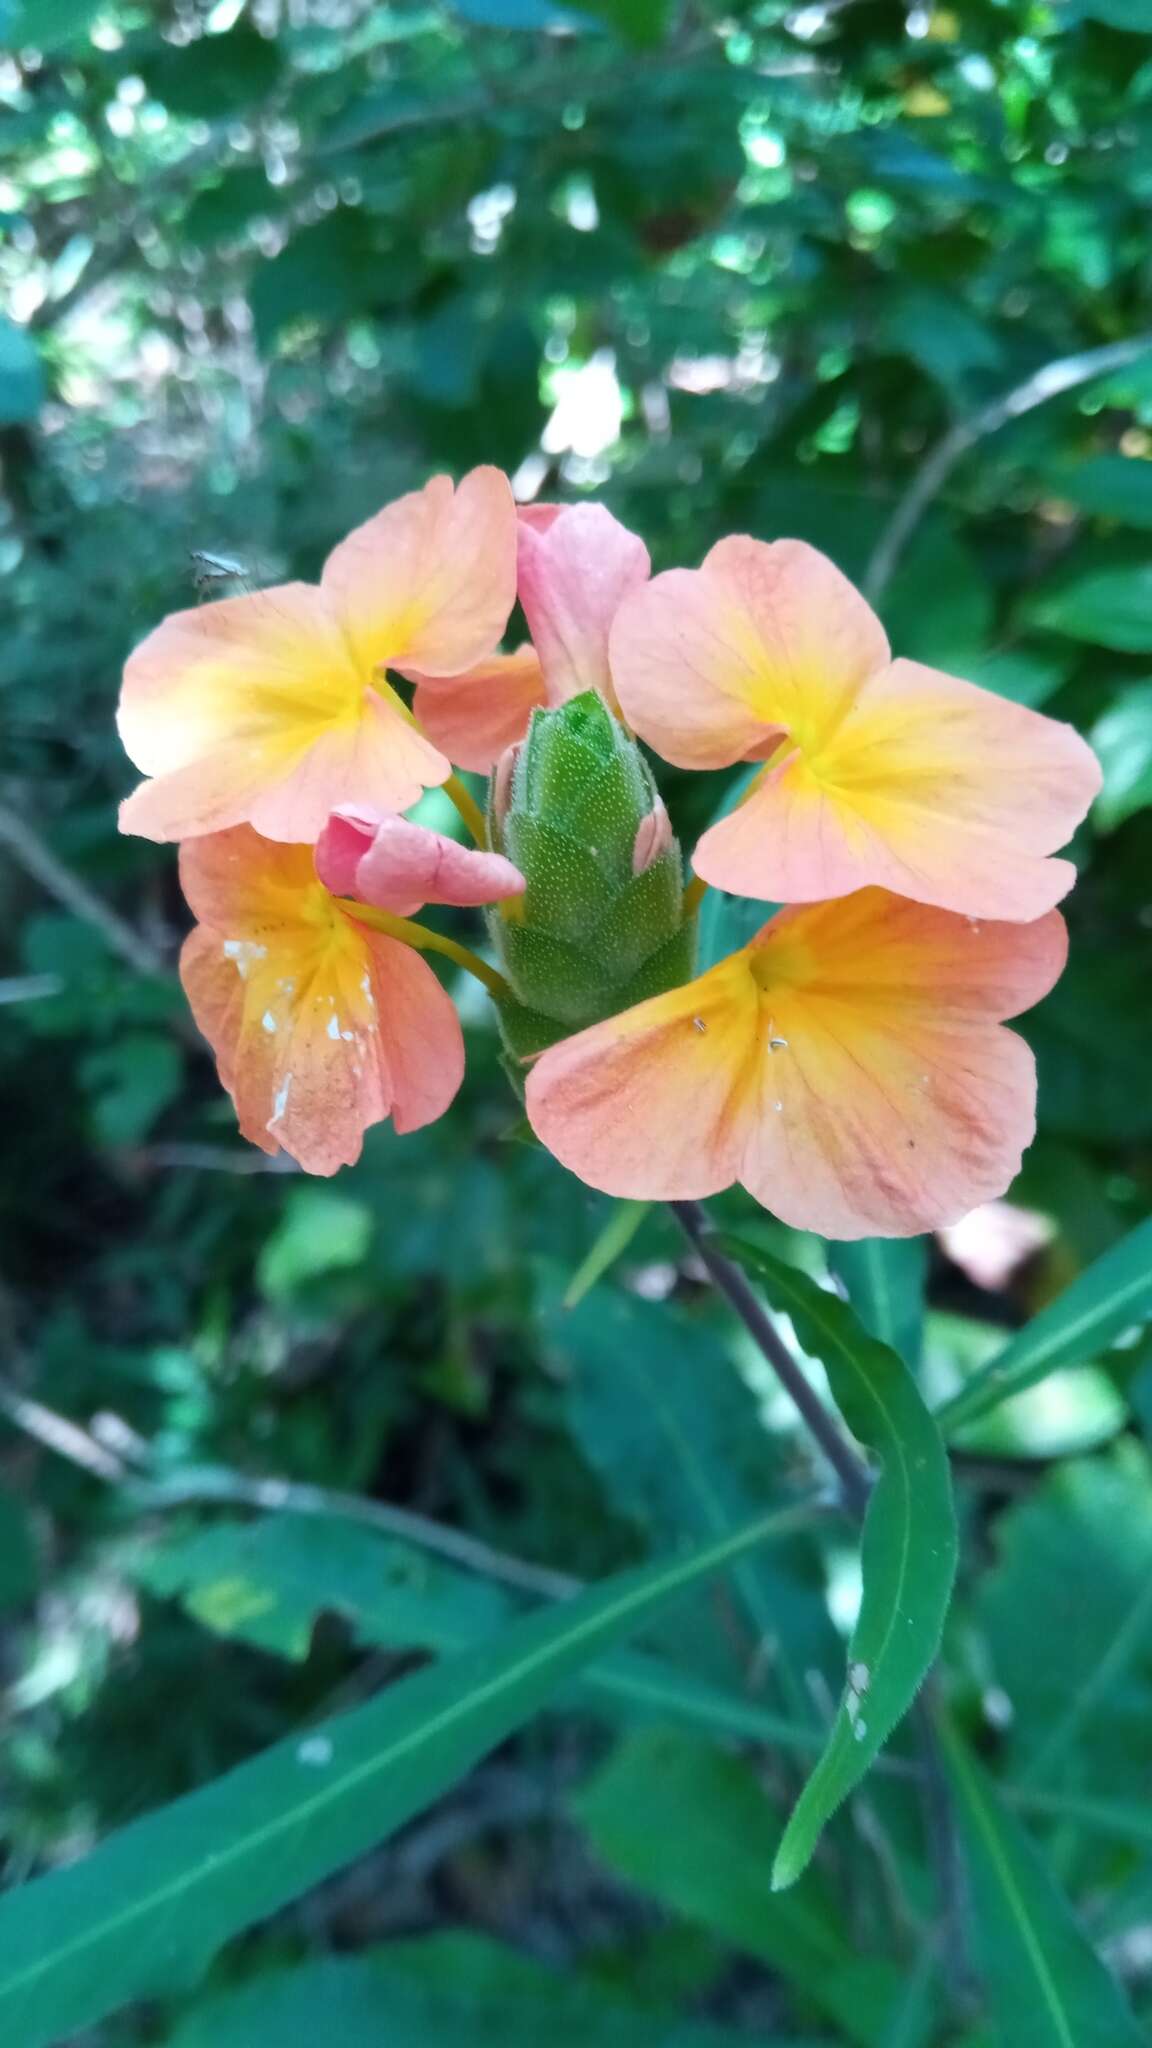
[
  {"x": 850, "y": 1067},
  {"x": 320, "y": 1026},
  {"x": 472, "y": 718},
  {"x": 429, "y": 582}
]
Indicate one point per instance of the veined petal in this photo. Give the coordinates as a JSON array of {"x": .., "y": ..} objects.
[
  {"x": 928, "y": 786},
  {"x": 852, "y": 1071},
  {"x": 894, "y": 1100},
  {"x": 320, "y": 1026},
  {"x": 395, "y": 865},
  {"x": 472, "y": 718},
  {"x": 429, "y": 582},
  {"x": 712, "y": 664},
  {"x": 654, "y": 1104},
  {"x": 574, "y": 566}
]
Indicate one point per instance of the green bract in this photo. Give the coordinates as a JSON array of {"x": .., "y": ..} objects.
[{"x": 591, "y": 935}]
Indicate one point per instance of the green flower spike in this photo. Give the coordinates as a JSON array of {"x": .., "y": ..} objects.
[{"x": 601, "y": 924}]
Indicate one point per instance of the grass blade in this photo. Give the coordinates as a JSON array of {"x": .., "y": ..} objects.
[{"x": 1114, "y": 1293}]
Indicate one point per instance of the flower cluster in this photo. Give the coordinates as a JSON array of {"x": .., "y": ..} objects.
[{"x": 850, "y": 1066}]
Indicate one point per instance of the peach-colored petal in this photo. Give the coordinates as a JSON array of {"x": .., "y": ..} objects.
[
  {"x": 928, "y": 786},
  {"x": 850, "y": 1067},
  {"x": 472, "y": 718},
  {"x": 273, "y": 709},
  {"x": 713, "y": 664},
  {"x": 252, "y": 709},
  {"x": 878, "y": 772},
  {"x": 395, "y": 865},
  {"x": 653, "y": 1104},
  {"x": 429, "y": 582},
  {"x": 379, "y": 761},
  {"x": 572, "y": 573},
  {"x": 320, "y": 1026}
]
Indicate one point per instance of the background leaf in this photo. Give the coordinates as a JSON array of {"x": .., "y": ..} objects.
[
  {"x": 1047, "y": 1987},
  {"x": 1113, "y": 1295},
  {"x": 155, "y": 1900}
]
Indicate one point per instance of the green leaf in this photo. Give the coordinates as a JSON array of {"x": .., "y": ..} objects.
[
  {"x": 1123, "y": 743},
  {"x": 442, "y": 1991},
  {"x": 612, "y": 1241},
  {"x": 1110, "y": 1297},
  {"x": 1068, "y": 1615},
  {"x": 156, "y": 1899},
  {"x": 1106, "y": 606},
  {"x": 661, "y": 1412},
  {"x": 635, "y": 21},
  {"x": 267, "y": 1581},
  {"x": 884, "y": 1277},
  {"x": 320, "y": 1232},
  {"x": 1111, "y": 486},
  {"x": 1047, "y": 1987},
  {"x": 21, "y": 375},
  {"x": 908, "y": 1554},
  {"x": 693, "y": 1829},
  {"x": 132, "y": 1082}
]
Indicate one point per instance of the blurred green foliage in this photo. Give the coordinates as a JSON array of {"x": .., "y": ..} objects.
[{"x": 263, "y": 267}]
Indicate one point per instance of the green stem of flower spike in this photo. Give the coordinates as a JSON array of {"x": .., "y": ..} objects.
[
  {"x": 422, "y": 940},
  {"x": 468, "y": 808}
]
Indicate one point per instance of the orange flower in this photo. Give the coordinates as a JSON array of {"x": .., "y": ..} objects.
[
  {"x": 320, "y": 1025},
  {"x": 274, "y": 709},
  {"x": 876, "y": 771},
  {"x": 849, "y": 1067},
  {"x": 574, "y": 565}
]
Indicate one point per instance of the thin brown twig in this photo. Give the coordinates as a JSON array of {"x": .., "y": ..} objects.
[
  {"x": 726, "y": 1277},
  {"x": 38, "y": 860},
  {"x": 1065, "y": 374}
]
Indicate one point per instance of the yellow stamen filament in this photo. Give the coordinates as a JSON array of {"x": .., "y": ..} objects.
[
  {"x": 468, "y": 808},
  {"x": 422, "y": 940}
]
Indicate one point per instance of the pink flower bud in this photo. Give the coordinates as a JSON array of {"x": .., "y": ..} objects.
[
  {"x": 395, "y": 865},
  {"x": 653, "y": 837}
]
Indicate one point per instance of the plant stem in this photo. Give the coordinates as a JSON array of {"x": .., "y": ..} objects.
[
  {"x": 849, "y": 1467},
  {"x": 468, "y": 808},
  {"x": 929, "y": 480},
  {"x": 694, "y": 895},
  {"x": 422, "y": 940}
]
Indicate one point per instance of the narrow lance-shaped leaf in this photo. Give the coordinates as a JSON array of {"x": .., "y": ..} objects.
[
  {"x": 908, "y": 1557},
  {"x": 884, "y": 1278},
  {"x": 1047, "y": 1987},
  {"x": 1114, "y": 1293},
  {"x": 157, "y": 1898}
]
